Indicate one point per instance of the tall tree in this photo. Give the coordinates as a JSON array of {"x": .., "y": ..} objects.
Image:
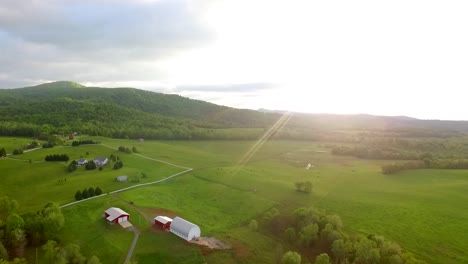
[
  {"x": 291, "y": 257},
  {"x": 93, "y": 260},
  {"x": 18, "y": 242},
  {"x": 78, "y": 195},
  {"x": 50, "y": 250},
  {"x": 3, "y": 252},
  {"x": 340, "y": 249},
  {"x": 85, "y": 193},
  {"x": 310, "y": 233},
  {"x": 98, "y": 191},
  {"x": 7, "y": 206},
  {"x": 367, "y": 252},
  {"x": 52, "y": 219},
  {"x": 322, "y": 259},
  {"x": 91, "y": 191}
]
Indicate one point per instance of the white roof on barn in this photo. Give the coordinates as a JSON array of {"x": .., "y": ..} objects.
[
  {"x": 100, "y": 159},
  {"x": 163, "y": 219},
  {"x": 114, "y": 212},
  {"x": 184, "y": 229}
]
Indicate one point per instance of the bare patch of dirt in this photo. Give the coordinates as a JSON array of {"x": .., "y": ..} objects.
[
  {"x": 241, "y": 251},
  {"x": 153, "y": 212},
  {"x": 211, "y": 242}
]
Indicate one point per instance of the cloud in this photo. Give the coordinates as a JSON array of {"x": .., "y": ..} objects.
[
  {"x": 88, "y": 41},
  {"x": 231, "y": 88}
]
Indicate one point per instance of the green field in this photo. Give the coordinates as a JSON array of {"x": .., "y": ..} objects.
[
  {"x": 425, "y": 211},
  {"x": 50, "y": 181}
]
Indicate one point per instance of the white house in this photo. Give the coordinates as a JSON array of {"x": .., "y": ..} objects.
[
  {"x": 81, "y": 162},
  {"x": 184, "y": 229},
  {"x": 100, "y": 161},
  {"x": 116, "y": 215},
  {"x": 122, "y": 178}
]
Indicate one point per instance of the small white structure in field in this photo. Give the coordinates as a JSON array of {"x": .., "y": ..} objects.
[
  {"x": 309, "y": 166},
  {"x": 184, "y": 229},
  {"x": 122, "y": 178},
  {"x": 81, "y": 162}
]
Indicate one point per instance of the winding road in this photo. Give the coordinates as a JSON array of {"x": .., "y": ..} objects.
[{"x": 133, "y": 228}]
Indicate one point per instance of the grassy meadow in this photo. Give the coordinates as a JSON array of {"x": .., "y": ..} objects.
[
  {"x": 51, "y": 182},
  {"x": 425, "y": 211}
]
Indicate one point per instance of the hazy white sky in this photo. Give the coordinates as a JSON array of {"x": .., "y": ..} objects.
[{"x": 380, "y": 57}]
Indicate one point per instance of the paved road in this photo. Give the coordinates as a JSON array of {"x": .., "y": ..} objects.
[
  {"x": 135, "y": 240},
  {"x": 133, "y": 228}
]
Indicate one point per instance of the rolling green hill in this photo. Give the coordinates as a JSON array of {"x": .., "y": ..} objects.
[{"x": 63, "y": 107}]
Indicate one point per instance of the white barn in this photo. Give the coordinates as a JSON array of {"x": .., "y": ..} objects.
[{"x": 184, "y": 229}]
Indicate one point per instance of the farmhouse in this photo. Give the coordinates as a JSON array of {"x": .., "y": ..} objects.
[
  {"x": 163, "y": 221},
  {"x": 122, "y": 178},
  {"x": 81, "y": 162},
  {"x": 100, "y": 161},
  {"x": 184, "y": 229},
  {"x": 116, "y": 215}
]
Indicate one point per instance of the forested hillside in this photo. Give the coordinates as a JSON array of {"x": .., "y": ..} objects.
[{"x": 65, "y": 107}]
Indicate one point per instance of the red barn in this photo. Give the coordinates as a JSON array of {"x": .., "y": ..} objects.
[
  {"x": 163, "y": 221},
  {"x": 116, "y": 215}
]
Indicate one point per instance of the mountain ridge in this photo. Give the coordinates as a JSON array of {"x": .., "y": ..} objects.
[{"x": 130, "y": 112}]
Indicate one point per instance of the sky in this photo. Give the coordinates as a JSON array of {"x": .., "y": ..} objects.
[{"x": 400, "y": 57}]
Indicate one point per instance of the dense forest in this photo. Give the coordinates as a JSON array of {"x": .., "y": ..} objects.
[{"x": 309, "y": 234}]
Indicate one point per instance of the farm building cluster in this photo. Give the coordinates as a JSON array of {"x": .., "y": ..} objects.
[{"x": 178, "y": 226}]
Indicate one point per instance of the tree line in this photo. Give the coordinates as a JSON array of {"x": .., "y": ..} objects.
[
  {"x": 77, "y": 143},
  {"x": 87, "y": 193},
  {"x": 425, "y": 164},
  {"x": 374, "y": 153},
  {"x": 309, "y": 230},
  {"x": 57, "y": 157}
]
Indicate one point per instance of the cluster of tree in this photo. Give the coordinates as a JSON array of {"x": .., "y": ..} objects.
[
  {"x": 90, "y": 165},
  {"x": 87, "y": 193},
  {"x": 375, "y": 153},
  {"x": 114, "y": 158},
  {"x": 425, "y": 164},
  {"x": 17, "y": 151},
  {"x": 118, "y": 165},
  {"x": 72, "y": 166},
  {"x": 3, "y": 152},
  {"x": 49, "y": 144},
  {"x": 305, "y": 186},
  {"x": 308, "y": 229},
  {"x": 69, "y": 253},
  {"x": 125, "y": 150},
  {"x": 83, "y": 142},
  {"x": 32, "y": 145},
  {"x": 31, "y": 229},
  {"x": 57, "y": 157}
]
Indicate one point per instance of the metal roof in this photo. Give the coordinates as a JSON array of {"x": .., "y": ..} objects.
[
  {"x": 182, "y": 226},
  {"x": 115, "y": 212},
  {"x": 163, "y": 219},
  {"x": 101, "y": 159}
]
